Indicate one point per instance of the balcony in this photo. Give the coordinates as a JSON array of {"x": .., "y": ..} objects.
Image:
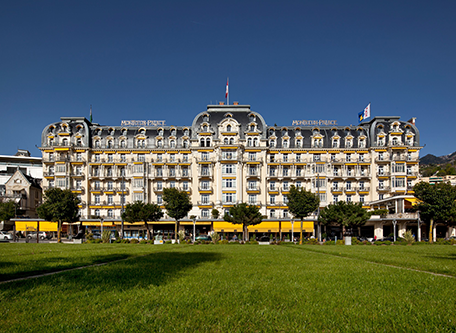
[
  {"x": 252, "y": 188},
  {"x": 205, "y": 160},
  {"x": 274, "y": 188},
  {"x": 401, "y": 157},
  {"x": 413, "y": 173},
  {"x": 336, "y": 189},
  {"x": 254, "y": 173},
  {"x": 229, "y": 158},
  {"x": 349, "y": 189},
  {"x": 411, "y": 216},
  {"x": 78, "y": 189},
  {"x": 383, "y": 173},
  {"x": 205, "y": 173},
  {"x": 252, "y": 159},
  {"x": 205, "y": 203},
  {"x": 205, "y": 189},
  {"x": 48, "y": 174},
  {"x": 383, "y": 188},
  {"x": 363, "y": 188},
  {"x": 184, "y": 173},
  {"x": 77, "y": 174},
  {"x": 254, "y": 203},
  {"x": 384, "y": 158}
]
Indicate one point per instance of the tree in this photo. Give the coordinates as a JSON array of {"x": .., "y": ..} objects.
[
  {"x": 7, "y": 210},
  {"x": 437, "y": 203},
  {"x": 346, "y": 214},
  {"x": 244, "y": 214},
  {"x": 59, "y": 206},
  {"x": 301, "y": 203},
  {"x": 215, "y": 213},
  {"x": 140, "y": 211},
  {"x": 177, "y": 204}
]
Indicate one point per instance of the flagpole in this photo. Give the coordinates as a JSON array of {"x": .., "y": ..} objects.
[{"x": 228, "y": 87}]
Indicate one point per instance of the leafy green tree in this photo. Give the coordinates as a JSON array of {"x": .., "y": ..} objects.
[
  {"x": 437, "y": 203},
  {"x": 7, "y": 210},
  {"x": 140, "y": 211},
  {"x": 215, "y": 213},
  {"x": 244, "y": 214},
  {"x": 346, "y": 214},
  {"x": 301, "y": 203},
  {"x": 59, "y": 206},
  {"x": 177, "y": 204}
]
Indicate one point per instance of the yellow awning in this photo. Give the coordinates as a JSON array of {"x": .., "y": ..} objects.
[
  {"x": 413, "y": 201},
  {"x": 227, "y": 227},
  {"x": 265, "y": 227},
  {"x": 33, "y": 225},
  {"x": 306, "y": 226}
]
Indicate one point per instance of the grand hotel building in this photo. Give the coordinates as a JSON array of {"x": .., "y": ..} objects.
[{"x": 226, "y": 156}]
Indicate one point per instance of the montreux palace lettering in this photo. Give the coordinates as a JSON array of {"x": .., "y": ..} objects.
[
  {"x": 314, "y": 122},
  {"x": 142, "y": 123}
]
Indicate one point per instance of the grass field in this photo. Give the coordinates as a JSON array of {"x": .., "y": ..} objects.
[{"x": 228, "y": 288}]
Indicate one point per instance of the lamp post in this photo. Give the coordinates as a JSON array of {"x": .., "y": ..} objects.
[
  {"x": 122, "y": 197},
  {"x": 194, "y": 228},
  {"x": 318, "y": 209}
]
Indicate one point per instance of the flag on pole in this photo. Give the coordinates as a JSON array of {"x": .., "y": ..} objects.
[
  {"x": 366, "y": 113},
  {"x": 226, "y": 92}
]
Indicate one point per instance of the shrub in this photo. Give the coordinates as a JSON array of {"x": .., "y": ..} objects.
[
  {"x": 215, "y": 237},
  {"x": 453, "y": 241},
  {"x": 89, "y": 236},
  {"x": 312, "y": 241},
  {"x": 106, "y": 236},
  {"x": 125, "y": 241},
  {"x": 143, "y": 241},
  {"x": 181, "y": 235},
  {"x": 408, "y": 237},
  {"x": 355, "y": 241},
  {"x": 340, "y": 242},
  {"x": 118, "y": 240},
  {"x": 329, "y": 243},
  {"x": 387, "y": 243},
  {"x": 97, "y": 241},
  {"x": 442, "y": 241},
  {"x": 225, "y": 241},
  {"x": 168, "y": 242},
  {"x": 253, "y": 242},
  {"x": 134, "y": 241}
]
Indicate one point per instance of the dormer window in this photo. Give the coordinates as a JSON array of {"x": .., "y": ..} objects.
[
  {"x": 97, "y": 143},
  {"x": 122, "y": 144},
  {"x": 205, "y": 128},
  {"x": 110, "y": 145},
  {"x": 335, "y": 143},
  {"x": 160, "y": 132},
  {"x": 186, "y": 145},
  {"x": 186, "y": 132},
  {"x": 348, "y": 143},
  {"x": 249, "y": 142},
  {"x": 228, "y": 128},
  {"x": 173, "y": 132},
  {"x": 395, "y": 142},
  {"x": 318, "y": 143},
  {"x": 271, "y": 143},
  {"x": 231, "y": 141},
  {"x": 255, "y": 142},
  {"x": 362, "y": 143},
  {"x": 202, "y": 142},
  {"x": 172, "y": 144},
  {"x": 252, "y": 128},
  {"x": 285, "y": 143},
  {"x": 159, "y": 143}
]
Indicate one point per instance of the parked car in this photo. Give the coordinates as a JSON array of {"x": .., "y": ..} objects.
[
  {"x": 43, "y": 235},
  {"x": 96, "y": 235},
  {"x": 203, "y": 238},
  {"x": 5, "y": 235},
  {"x": 265, "y": 239}
]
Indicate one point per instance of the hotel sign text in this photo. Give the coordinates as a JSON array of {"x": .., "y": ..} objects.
[
  {"x": 142, "y": 123},
  {"x": 314, "y": 122}
]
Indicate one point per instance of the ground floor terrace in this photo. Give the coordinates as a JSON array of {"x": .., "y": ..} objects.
[{"x": 377, "y": 227}]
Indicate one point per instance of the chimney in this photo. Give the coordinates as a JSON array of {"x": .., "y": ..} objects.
[
  {"x": 235, "y": 103},
  {"x": 221, "y": 103}
]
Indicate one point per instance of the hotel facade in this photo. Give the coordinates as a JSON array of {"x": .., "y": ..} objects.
[{"x": 229, "y": 155}]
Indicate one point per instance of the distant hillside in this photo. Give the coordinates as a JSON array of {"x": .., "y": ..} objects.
[
  {"x": 431, "y": 165},
  {"x": 432, "y": 159}
]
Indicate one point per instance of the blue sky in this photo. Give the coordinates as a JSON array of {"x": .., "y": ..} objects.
[{"x": 168, "y": 60}]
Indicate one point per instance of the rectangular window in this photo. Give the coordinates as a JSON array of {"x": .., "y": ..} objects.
[
  {"x": 97, "y": 198},
  {"x": 228, "y": 197},
  {"x": 228, "y": 169},
  {"x": 110, "y": 199},
  {"x": 159, "y": 172},
  {"x": 335, "y": 199},
  {"x": 61, "y": 182},
  {"x": 185, "y": 157},
  {"x": 272, "y": 186},
  {"x": 141, "y": 157},
  {"x": 110, "y": 185},
  {"x": 159, "y": 199},
  {"x": 272, "y": 199},
  {"x": 361, "y": 198},
  {"x": 159, "y": 185},
  {"x": 205, "y": 213},
  {"x": 286, "y": 186},
  {"x": 252, "y": 156},
  {"x": 298, "y": 157},
  {"x": 322, "y": 197},
  {"x": 138, "y": 182},
  {"x": 123, "y": 158},
  {"x": 205, "y": 198},
  {"x": 185, "y": 186},
  {"x": 138, "y": 197},
  {"x": 172, "y": 184},
  {"x": 138, "y": 168},
  {"x": 252, "y": 199},
  {"x": 285, "y": 172},
  {"x": 229, "y": 183},
  {"x": 252, "y": 185},
  {"x": 349, "y": 198},
  {"x": 205, "y": 156},
  {"x": 399, "y": 182},
  {"x": 172, "y": 172}
]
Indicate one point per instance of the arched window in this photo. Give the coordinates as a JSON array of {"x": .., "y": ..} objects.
[
  {"x": 208, "y": 142},
  {"x": 185, "y": 143},
  {"x": 285, "y": 143},
  {"x": 225, "y": 141},
  {"x": 298, "y": 143},
  {"x": 271, "y": 143},
  {"x": 249, "y": 142},
  {"x": 122, "y": 143},
  {"x": 65, "y": 142},
  {"x": 202, "y": 143},
  {"x": 228, "y": 128},
  {"x": 252, "y": 128},
  {"x": 205, "y": 128},
  {"x": 109, "y": 144},
  {"x": 186, "y": 132},
  {"x": 97, "y": 143},
  {"x": 160, "y": 132},
  {"x": 159, "y": 143},
  {"x": 173, "y": 132},
  {"x": 255, "y": 142},
  {"x": 172, "y": 144},
  {"x": 231, "y": 141}
]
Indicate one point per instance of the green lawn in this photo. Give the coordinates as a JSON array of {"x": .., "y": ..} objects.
[{"x": 228, "y": 288}]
